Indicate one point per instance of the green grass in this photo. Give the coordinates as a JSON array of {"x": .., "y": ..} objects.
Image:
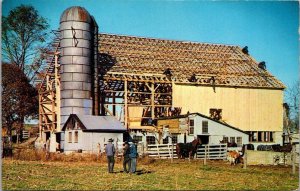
[{"x": 155, "y": 175}]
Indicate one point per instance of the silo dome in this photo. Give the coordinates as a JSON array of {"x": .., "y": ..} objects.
[{"x": 75, "y": 13}]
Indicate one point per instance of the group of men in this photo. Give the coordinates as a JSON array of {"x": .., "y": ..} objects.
[{"x": 130, "y": 155}]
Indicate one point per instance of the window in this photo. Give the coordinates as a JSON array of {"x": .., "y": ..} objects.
[
  {"x": 174, "y": 139},
  {"x": 76, "y": 137},
  {"x": 271, "y": 136},
  {"x": 204, "y": 127},
  {"x": 191, "y": 127},
  {"x": 266, "y": 136},
  {"x": 70, "y": 137},
  {"x": 150, "y": 140},
  {"x": 260, "y": 136},
  {"x": 254, "y": 136},
  {"x": 166, "y": 140},
  {"x": 239, "y": 141},
  {"x": 232, "y": 139},
  {"x": 138, "y": 138},
  {"x": 215, "y": 114},
  {"x": 225, "y": 140}
]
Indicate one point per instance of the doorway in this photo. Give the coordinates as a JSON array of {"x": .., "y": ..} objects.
[{"x": 204, "y": 139}]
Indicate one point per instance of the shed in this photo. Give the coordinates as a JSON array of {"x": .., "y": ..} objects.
[
  {"x": 87, "y": 133},
  {"x": 196, "y": 125}
]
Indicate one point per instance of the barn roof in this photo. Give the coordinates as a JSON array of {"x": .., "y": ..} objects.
[
  {"x": 139, "y": 58},
  {"x": 204, "y": 116},
  {"x": 96, "y": 123}
]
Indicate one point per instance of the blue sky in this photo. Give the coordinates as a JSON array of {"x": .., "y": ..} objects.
[{"x": 269, "y": 29}]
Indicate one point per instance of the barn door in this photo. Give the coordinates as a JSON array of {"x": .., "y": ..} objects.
[{"x": 204, "y": 139}]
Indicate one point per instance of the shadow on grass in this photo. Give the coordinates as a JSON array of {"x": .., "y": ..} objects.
[{"x": 138, "y": 172}]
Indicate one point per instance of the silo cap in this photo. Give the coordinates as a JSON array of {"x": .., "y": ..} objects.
[{"x": 76, "y": 13}]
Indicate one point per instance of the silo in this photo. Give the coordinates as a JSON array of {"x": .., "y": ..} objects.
[{"x": 77, "y": 62}]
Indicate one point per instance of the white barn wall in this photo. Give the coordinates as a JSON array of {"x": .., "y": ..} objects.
[
  {"x": 88, "y": 141},
  {"x": 216, "y": 131}
]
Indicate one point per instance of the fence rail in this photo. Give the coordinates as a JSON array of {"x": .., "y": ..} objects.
[
  {"x": 163, "y": 151},
  {"x": 218, "y": 151}
]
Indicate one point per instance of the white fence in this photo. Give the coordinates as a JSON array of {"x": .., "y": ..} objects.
[
  {"x": 26, "y": 134},
  {"x": 161, "y": 150},
  {"x": 165, "y": 151},
  {"x": 212, "y": 151}
]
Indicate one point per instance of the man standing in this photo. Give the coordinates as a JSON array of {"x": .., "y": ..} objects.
[
  {"x": 126, "y": 161},
  {"x": 110, "y": 152},
  {"x": 133, "y": 155}
]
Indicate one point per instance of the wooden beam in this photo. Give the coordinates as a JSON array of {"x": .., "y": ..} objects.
[
  {"x": 125, "y": 104},
  {"x": 152, "y": 100}
]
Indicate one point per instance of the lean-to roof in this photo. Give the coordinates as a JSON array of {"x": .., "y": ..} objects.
[{"x": 147, "y": 59}]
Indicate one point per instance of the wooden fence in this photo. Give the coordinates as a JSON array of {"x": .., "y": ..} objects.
[
  {"x": 218, "y": 151},
  {"x": 161, "y": 151}
]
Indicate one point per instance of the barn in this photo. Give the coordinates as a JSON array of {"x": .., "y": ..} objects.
[{"x": 139, "y": 80}]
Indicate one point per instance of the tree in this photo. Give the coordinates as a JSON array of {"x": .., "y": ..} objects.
[
  {"x": 24, "y": 33},
  {"x": 19, "y": 97},
  {"x": 292, "y": 99}
]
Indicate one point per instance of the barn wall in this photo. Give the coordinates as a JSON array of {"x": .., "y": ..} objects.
[
  {"x": 88, "y": 141},
  {"x": 247, "y": 109},
  {"x": 216, "y": 131}
]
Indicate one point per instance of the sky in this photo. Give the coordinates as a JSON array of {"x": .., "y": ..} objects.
[{"x": 268, "y": 28}]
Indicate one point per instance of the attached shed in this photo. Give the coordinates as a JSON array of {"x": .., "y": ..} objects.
[
  {"x": 195, "y": 125},
  {"x": 87, "y": 133}
]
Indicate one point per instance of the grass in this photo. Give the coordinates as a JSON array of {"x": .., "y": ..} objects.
[{"x": 152, "y": 175}]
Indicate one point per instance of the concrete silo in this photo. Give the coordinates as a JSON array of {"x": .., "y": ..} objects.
[{"x": 78, "y": 63}]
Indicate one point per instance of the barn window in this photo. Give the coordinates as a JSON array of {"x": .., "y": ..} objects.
[
  {"x": 174, "y": 139},
  {"x": 70, "y": 137},
  {"x": 215, "y": 114},
  {"x": 254, "y": 136},
  {"x": 271, "y": 136},
  {"x": 266, "y": 137},
  {"x": 225, "y": 140},
  {"x": 260, "y": 136},
  {"x": 232, "y": 139},
  {"x": 76, "y": 137},
  {"x": 204, "y": 126},
  {"x": 166, "y": 140},
  {"x": 191, "y": 127},
  {"x": 239, "y": 141},
  {"x": 138, "y": 138},
  {"x": 150, "y": 140}
]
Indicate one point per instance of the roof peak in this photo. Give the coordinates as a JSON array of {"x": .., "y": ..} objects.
[{"x": 168, "y": 40}]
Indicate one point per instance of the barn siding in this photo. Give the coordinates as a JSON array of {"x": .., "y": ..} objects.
[
  {"x": 88, "y": 141},
  {"x": 247, "y": 109},
  {"x": 216, "y": 131}
]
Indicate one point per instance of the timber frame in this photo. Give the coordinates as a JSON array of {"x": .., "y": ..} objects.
[
  {"x": 49, "y": 85},
  {"x": 137, "y": 72}
]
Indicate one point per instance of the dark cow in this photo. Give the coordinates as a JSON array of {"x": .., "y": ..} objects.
[{"x": 185, "y": 150}]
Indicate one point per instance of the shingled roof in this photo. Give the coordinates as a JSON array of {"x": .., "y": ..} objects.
[{"x": 213, "y": 64}]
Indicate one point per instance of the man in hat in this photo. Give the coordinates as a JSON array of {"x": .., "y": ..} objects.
[
  {"x": 133, "y": 155},
  {"x": 126, "y": 161},
  {"x": 110, "y": 153}
]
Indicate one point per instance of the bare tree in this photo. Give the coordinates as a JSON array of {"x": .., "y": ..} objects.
[
  {"x": 24, "y": 34},
  {"x": 292, "y": 107}
]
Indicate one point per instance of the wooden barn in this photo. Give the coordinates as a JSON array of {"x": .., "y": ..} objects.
[{"x": 139, "y": 80}]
